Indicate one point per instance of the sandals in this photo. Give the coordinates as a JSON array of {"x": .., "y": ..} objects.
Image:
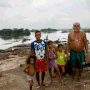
[
  {"x": 80, "y": 80},
  {"x": 38, "y": 87},
  {"x": 62, "y": 84},
  {"x": 50, "y": 82}
]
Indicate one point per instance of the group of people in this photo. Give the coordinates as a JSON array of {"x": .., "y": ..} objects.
[{"x": 43, "y": 56}]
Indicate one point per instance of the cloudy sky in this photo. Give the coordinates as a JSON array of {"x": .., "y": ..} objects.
[{"x": 38, "y": 14}]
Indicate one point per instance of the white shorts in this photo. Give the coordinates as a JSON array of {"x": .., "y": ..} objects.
[{"x": 29, "y": 77}]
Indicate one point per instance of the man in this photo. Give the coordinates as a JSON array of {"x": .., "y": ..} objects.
[
  {"x": 38, "y": 47},
  {"x": 76, "y": 43}
]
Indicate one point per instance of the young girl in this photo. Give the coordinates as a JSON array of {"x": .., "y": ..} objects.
[
  {"x": 52, "y": 55},
  {"x": 30, "y": 69},
  {"x": 61, "y": 58}
]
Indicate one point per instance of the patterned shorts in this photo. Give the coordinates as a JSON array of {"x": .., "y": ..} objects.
[{"x": 40, "y": 64}]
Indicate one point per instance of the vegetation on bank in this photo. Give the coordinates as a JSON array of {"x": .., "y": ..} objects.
[
  {"x": 14, "y": 32},
  {"x": 48, "y": 30},
  {"x": 87, "y": 30}
]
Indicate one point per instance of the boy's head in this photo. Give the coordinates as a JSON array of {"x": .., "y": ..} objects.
[
  {"x": 60, "y": 47},
  {"x": 38, "y": 35},
  {"x": 31, "y": 59},
  {"x": 50, "y": 44},
  {"x": 76, "y": 27}
]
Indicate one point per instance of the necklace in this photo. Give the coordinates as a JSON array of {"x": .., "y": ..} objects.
[{"x": 76, "y": 36}]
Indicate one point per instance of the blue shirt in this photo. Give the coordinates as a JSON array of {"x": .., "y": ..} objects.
[{"x": 39, "y": 49}]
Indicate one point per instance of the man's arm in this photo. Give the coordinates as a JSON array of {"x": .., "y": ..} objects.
[
  {"x": 86, "y": 47},
  {"x": 85, "y": 43},
  {"x": 68, "y": 45}
]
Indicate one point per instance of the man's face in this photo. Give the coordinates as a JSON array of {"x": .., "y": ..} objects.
[
  {"x": 38, "y": 35},
  {"x": 76, "y": 28}
]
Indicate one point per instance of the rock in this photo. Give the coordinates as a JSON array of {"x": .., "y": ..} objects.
[
  {"x": 23, "y": 45},
  {"x": 0, "y": 74},
  {"x": 21, "y": 65}
]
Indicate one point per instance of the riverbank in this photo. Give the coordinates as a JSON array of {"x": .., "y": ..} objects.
[{"x": 13, "y": 77}]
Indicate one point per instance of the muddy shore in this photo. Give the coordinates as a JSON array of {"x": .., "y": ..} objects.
[{"x": 13, "y": 77}]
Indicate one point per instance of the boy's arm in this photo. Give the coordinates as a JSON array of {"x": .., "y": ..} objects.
[
  {"x": 25, "y": 69},
  {"x": 32, "y": 48},
  {"x": 32, "y": 51},
  {"x": 46, "y": 53},
  {"x": 56, "y": 56}
]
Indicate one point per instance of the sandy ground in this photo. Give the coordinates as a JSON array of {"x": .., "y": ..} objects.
[{"x": 13, "y": 77}]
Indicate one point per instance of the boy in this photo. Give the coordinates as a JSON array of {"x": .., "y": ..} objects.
[{"x": 38, "y": 47}]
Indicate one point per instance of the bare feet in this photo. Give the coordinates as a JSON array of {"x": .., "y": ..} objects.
[{"x": 43, "y": 84}]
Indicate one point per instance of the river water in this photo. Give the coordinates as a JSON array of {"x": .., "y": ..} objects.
[{"x": 4, "y": 44}]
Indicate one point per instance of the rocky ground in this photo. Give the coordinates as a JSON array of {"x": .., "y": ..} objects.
[{"x": 12, "y": 76}]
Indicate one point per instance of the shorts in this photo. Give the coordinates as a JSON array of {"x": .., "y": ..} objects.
[
  {"x": 40, "y": 64},
  {"x": 61, "y": 65},
  {"x": 29, "y": 77},
  {"x": 77, "y": 57}
]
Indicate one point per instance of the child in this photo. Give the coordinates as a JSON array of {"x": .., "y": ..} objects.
[
  {"x": 31, "y": 69},
  {"x": 61, "y": 58},
  {"x": 52, "y": 55}
]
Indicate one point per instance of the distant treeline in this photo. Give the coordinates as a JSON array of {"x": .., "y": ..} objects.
[
  {"x": 14, "y": 32},
  {"x": 45, "y": 30},
  {"x": 22, "y": 32},
  {"x": 87, "y": 30}
]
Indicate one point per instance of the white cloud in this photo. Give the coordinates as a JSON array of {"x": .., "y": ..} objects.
[{"x": 43, "y": 13}]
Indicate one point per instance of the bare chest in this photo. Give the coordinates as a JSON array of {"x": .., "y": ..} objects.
[{"x": 77, "y": 37}]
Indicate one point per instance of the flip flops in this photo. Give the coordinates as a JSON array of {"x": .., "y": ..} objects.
[
  {"x": 80, "y": 80},
  {"x": 62, "y": 84},
  {"x": 50, "y": 82},
  {"x": 38, "y": 87}
]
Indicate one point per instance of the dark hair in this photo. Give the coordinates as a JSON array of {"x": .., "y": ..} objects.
[
  {"x": 30, "y": 56},
  {"x": 60, "y": 45},
  {"x": 37, "y": 32},
  {"x": 50, "y": 42}
]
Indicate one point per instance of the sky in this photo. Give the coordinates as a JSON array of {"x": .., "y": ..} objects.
[{"x": 39, "y": 14}]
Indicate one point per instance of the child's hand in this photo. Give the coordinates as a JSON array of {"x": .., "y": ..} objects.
[
  {"x": 68, "y": 57},
  {"x": 35, "y": 66},
  {"x": 50, "y": 58},
  {"x": 45, "y": 64}
]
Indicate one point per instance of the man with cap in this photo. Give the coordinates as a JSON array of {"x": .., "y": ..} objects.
[{"x": 77, "y": 41}]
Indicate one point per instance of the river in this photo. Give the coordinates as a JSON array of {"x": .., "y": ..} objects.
[{"x": 51, "y": 36}]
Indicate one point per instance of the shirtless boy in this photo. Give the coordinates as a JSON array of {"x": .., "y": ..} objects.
[
  {"x": 30, "y": 69},
  {"x": 76, "y": 43}
]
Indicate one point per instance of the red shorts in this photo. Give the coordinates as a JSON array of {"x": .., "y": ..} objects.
[
  {"x": 40, "y": 64},
  {"x": 61, "y": 65}
]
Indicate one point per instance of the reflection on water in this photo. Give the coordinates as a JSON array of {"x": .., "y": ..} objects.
[
  {"x": 6, "y": 37},
  {"x": 11, "y": 37},
  {"x": 22, "y": 37}
]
